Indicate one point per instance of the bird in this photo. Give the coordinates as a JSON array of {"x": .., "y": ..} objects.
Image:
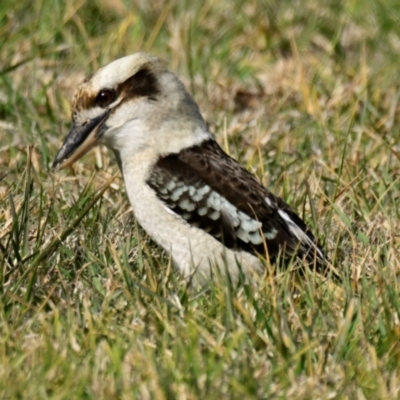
[{"x": 195, "y": 201}]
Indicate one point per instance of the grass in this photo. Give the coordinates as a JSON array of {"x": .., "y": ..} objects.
[{"x": 306, "y": 95}]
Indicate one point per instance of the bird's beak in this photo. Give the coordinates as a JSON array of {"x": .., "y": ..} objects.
[{"x": 80, "y": 139}]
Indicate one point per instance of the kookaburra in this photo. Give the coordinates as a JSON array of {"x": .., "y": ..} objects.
[{"x": 194, "y": 200}]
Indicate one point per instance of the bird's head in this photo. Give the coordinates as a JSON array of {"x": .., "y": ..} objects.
[{"x": 131, "y": 105}]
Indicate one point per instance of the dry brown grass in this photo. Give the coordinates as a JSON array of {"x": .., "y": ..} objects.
[{"x": 305, "y": 94}]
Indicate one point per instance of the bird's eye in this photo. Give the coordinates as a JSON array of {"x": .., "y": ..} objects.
[{"x": 105, "y": 97}]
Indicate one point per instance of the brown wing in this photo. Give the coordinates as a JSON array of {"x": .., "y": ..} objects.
[
  {"x": 185, "y": 193},
  {"x": 214, "y": 192}
]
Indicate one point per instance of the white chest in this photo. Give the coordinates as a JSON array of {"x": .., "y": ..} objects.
[{"x": 192, "y": 249}]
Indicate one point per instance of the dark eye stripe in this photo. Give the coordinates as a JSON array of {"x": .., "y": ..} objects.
[{"x": 143, "y": 83}]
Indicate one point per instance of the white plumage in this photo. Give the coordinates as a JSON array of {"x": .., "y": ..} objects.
[{"x": 195, "y": 201}]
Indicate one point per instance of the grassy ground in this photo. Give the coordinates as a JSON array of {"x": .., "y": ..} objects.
[{"x": 306, "y": 95}]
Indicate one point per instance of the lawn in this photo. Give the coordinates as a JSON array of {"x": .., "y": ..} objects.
[{"x": 306, "y": 95}]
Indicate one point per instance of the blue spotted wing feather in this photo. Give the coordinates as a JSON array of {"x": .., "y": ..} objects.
[{"x": 213, "y": 192}]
